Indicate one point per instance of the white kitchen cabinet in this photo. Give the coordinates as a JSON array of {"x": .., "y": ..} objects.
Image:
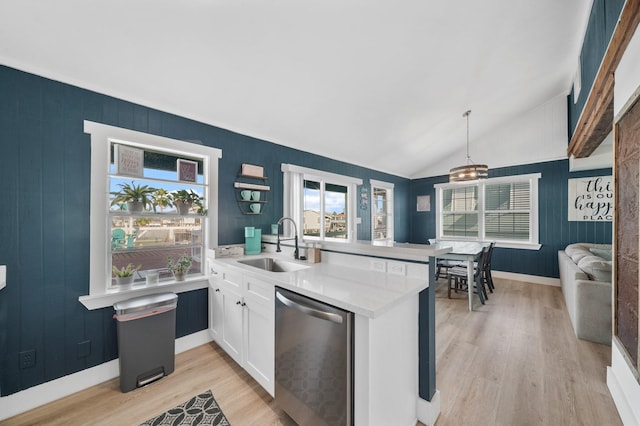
[
  {"x": 215, "y": 310},
  {"x": 259, "y": 316},
  {"x": 232, "y": 328},
  {"x": 241, "y": 321}
]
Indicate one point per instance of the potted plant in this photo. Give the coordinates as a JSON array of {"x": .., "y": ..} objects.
[
  {"x": 180, "y": 266},
  {"x": 185, "y": 199},
  {"x": 124, "y": 275},
  {"x": 136, "y": 197},
  {"x": 161, "y": 198}
]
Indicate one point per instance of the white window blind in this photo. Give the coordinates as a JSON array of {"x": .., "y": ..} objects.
[
  {"x": 508, "y": 211},
  {"x": 503, "y": 209},
  {"x": 460, "y": 212}
]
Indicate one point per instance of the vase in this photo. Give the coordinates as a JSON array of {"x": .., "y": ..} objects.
[
  {"x": 124, "y": 280},
  {"x": 183, "y": 208},
  {"x": 134, "y": 206},
  {"x": 179, "y": 276}
]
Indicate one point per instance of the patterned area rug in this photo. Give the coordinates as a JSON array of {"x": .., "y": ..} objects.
[{"x": 200, "y": 410}]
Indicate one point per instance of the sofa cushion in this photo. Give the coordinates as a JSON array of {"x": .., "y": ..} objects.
[
  {"x": 596, "y": 268},
  {"x": 603, "y": 253},
  {"x": 577, "y": 252}
]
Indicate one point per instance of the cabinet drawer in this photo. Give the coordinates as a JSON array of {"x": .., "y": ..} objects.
[
  {"x": 258, "y": 290},
  {"x": 232, "y": 279}
]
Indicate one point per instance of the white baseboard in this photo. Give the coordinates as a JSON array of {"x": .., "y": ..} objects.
[
  {"x": 624, "y": 388},
  {"x": 535, "y": 279},
  {"x": 428, "y": 411},
  {"x": 36, "y": 396}
]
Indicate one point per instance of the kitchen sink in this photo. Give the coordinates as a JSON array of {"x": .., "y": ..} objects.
[{"x": 273, "y": 265}]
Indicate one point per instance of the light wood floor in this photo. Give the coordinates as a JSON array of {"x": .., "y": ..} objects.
[
  {"x": 517, "y": 361},
  {"x": 514, "y": 361},
  {"x": 241, "y": 399}
]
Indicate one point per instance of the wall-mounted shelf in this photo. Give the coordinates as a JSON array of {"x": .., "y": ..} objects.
[
  {"x": 244, "y": 185},
  {"x": 246, "y": 204}
]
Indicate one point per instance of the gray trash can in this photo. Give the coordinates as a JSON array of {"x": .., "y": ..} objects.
[{"x": 146, "y": 338}]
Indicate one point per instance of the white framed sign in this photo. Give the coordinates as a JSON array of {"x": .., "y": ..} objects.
[
  {"x": 423, "y": 203},
  {"x": 187, "y": 170},
  {"x": 128, "y": 161},
  {"x": 591, "y": 199}
]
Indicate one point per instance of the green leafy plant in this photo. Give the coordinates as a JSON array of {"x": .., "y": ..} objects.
[
  {"x": 161, "y": 198},
  {"x": 125, "y": 271},
  {"x": 187, "y": 198},
  {"x": 180, "y": 265},
  {"x": 133, "y": 194}
]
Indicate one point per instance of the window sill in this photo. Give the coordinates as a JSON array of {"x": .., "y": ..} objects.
[
  {"x": 521, "y": 246},
  {"x": 499, "y": 244},
  {"x": 108, "y": 298}
]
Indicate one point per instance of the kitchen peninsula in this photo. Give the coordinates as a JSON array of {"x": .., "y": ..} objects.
[{"x": 388, "y": 291}]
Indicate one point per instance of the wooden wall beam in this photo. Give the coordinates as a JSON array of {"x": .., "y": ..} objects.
[{"x": 596, "y": 119}]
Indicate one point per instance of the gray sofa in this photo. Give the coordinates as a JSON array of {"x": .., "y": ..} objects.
[{"x": 585, "y": 274}]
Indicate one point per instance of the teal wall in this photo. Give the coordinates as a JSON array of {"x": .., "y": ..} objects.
[
  {"x": 44, "y": 223},
  {"x": 555, "y": 231},
  {"x": 602, "y": 22}
]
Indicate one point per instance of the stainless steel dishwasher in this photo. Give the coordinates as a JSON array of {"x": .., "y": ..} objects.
[{"x": 314, "y": 362}]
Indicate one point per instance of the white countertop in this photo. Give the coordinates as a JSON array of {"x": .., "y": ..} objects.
[
  {"x": 400, "y": 251},
  {"x": 364, "y": 292}
]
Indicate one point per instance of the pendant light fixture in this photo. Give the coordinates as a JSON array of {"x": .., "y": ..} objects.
[{"x": 470, "y": 171}]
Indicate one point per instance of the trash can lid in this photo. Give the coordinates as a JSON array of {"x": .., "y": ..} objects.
[{"x": 144, "y": 303}]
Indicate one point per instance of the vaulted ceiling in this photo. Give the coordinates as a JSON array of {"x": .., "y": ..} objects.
[{"x": 378, "y": 83}]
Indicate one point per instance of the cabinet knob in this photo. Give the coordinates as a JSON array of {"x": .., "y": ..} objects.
[
  {"x": 243, "y": 304},
  {"x": 217, "y": 290},
  {"x": 238, "y": 303}
]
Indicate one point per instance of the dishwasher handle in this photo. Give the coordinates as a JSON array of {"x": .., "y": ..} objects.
[{"x": 307, "y": 310}]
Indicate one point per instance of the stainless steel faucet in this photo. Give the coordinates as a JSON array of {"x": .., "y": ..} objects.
[{"x": 295, "y": 231}]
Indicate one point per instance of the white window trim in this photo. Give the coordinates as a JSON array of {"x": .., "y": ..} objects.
[
  {"x": 532, "y": 178},
  {"x": 101, "y": 137},
  {"x": 390, "y": 218},
  {"x": 292, "y": 182}
]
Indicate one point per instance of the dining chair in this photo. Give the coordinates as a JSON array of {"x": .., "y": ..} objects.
[
  {"x": 443, "y": 265},
  {"x": 487, "y": 279},
  {"x": 457, "y": 276}
]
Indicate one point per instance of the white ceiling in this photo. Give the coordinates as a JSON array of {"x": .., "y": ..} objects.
[{"x": 377, "y": 83}]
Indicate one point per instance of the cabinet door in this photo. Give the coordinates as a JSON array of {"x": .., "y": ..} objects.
[
  {"x": 215, "y": 310},
  {"x": 232, "y": 323},
  {"x": 259, "y": 342}
]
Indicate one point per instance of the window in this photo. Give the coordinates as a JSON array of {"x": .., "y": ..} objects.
[
  {"x": 160, "y": 229},
  {"x": 460, "y": 212},
  {"x": 502, "y": 209},
  {"x": 381, "y": 211},
  {"x": 321, "y": 203},
  {"x": 123, "y": 233}
]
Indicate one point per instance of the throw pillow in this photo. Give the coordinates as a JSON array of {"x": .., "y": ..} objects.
[
  {"x": 596, "y": 268},
  {"x": 576, "y": 252},
  {"x": 603, "y": 253}
]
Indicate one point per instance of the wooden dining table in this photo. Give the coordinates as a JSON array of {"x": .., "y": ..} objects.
[{"x": 466, "y": 251}]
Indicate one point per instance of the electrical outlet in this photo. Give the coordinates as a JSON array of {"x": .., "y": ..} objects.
[
  {"x": 378, "y": 265},
  {"x": 27, "y": 358},
  {"x": 84, "y": 349},
  {"x": 396, "y": 268}
]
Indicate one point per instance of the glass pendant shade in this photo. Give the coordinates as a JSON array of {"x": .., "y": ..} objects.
[{"x": 470, "y": 171}]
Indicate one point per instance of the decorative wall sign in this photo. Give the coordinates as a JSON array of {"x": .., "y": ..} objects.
[
  {"x": 591, "y": 199},
  {"x": 128, "y": 161},
  {"x": 187, "y": 170},
  {"x": 364, "y": 198},
  {"x": 423, "y": 203}
]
